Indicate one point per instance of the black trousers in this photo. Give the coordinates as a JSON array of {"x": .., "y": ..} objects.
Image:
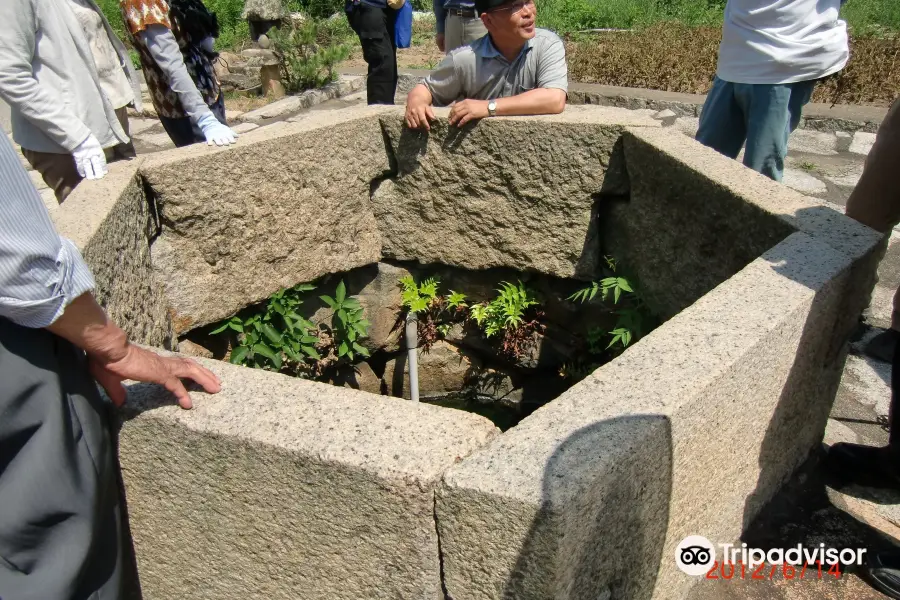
[
  {"x": 375, "y": 28},
  {"x": 60, "y": 527},
  {"x": 183, "y": 132}
]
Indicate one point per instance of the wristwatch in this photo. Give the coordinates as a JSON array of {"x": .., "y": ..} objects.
[{"x": 492, "y": 108}]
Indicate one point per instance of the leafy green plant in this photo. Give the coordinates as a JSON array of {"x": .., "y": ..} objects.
[
  {"x": 419, "y": 297},
  {"x": 435, "y": 312},
  {"x": 276, "y": 334},
  {"x": 506, "y": 311},
  {"x": 278, "y": 338},
  {"x": 347, "y": 324},
  {"x": 631, "y": 312},
  {"x": 304, "y": 63},
  {"x": 607, "y": 285}
]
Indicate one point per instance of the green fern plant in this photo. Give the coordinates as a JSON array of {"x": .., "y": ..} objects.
[
  {"x": 506, "y": 311},
  {"x": 632, "y": 313}
]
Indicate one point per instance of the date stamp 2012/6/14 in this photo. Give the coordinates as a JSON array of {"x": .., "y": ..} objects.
[{"x": 761, "y": 571}]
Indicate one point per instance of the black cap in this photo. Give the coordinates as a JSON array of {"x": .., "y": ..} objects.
[{"x": 483, "y": 6}]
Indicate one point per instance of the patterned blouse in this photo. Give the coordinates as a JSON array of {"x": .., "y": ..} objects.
[{"x": 138, "y": 15}]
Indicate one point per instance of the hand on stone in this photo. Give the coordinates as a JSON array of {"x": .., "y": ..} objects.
[
  {"x": 468, "y": 110},
  {"x": 439, "y": 39},
  {"x": 418, "y": 116},
  {"x": 143, "y": 365}
]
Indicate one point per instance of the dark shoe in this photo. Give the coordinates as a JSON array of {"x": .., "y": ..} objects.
[
  {"x": 882, "y": 346},
  {"x": 882, "y": 571},
  {"x": 867, "y": 466}
]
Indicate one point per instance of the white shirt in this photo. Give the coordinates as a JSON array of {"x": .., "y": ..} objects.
[
  {"x": 113, "y": 80},
  {"x": 782, "y": 41}
]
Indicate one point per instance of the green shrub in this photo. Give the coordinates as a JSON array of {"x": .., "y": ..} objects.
[{"x": 304, "y": 63}]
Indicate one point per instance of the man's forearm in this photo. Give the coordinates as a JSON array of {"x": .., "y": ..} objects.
[
  {"x": 85, "y": 324},
  {"x": 542, "y": 101}
]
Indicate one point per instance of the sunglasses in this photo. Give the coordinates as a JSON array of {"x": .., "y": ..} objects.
[{"x": 514, "y": 7}]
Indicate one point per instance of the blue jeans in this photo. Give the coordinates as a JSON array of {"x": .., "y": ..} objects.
[{"x": 763, "y": 115}]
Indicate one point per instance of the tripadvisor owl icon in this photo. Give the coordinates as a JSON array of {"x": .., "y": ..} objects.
[{"x": 695, "y": 555}]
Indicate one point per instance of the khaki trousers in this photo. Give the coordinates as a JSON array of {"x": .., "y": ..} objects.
[
  {"x": 459, "y": 31},
  {"x": 58, "y": 170},
  {"x": 876, "y": 200}
]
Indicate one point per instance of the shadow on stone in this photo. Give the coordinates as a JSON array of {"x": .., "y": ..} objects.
[{"x": 605, "y": 534}]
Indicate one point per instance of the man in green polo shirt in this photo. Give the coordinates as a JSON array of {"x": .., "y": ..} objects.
[{"x": 516, "y": 69}]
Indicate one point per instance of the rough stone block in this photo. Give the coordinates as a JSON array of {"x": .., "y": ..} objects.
[
  {"x": 110, "y": 220},
  {"x": 274, "y": 110},
  {"x": 504, "y": 192},
  {"x": 278, "y": 489},
  {"x": 690, "y": 204},
  {"x": 284, "y": 206},
  {"x": 595, "y": 490}
]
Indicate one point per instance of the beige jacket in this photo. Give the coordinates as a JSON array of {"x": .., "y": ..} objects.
[{"x": 49, "y": 80}]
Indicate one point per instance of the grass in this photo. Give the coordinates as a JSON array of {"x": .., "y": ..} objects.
[
  {"x": 679, "y": 58},
  {"x": 808, "y": 166},
  {"x": 569, "y": 16},
  {"x": 865, "y": 17}
]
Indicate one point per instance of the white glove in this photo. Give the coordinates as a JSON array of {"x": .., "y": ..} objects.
[
  {"x": 90, "y": 159},
  {"x": 209, "y": 44},
  {"x": 215, "y": 132}
]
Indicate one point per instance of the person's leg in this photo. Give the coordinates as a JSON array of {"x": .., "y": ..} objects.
[
  {"x": 722, "y": 125},
  {"x": 875, "y": 202},
  {"x": 181, "y": 131},
  {"x": 122, "y": 151},
  {"x": 473, "y": 29},
  {"x": 882, "y": 569},
  {"x": 390, "y": 23},
  {"x": 60, "y": 528},
  {"x": 57, "y": 170},
  {"x": 453, "y": 32},
  {"x": 375, "y": 29},
  {"x": 773, "y": 113},
  {"x": 768, "y": 125}
]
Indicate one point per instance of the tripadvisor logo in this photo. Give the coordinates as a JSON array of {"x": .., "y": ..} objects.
[{"x": 695, "y": 555}]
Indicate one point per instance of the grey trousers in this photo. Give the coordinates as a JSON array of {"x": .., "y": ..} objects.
[
  {"x": 60, "y": 528},
  {"x": 459, "y": 31}
]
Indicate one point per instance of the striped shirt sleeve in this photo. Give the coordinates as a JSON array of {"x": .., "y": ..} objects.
[{"x": 40, "y": 272}]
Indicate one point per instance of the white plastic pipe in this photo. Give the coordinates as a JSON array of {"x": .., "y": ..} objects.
[{"x": 412, "y": 344}]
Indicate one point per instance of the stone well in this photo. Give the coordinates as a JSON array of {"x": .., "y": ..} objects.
[{"x": 280, "y": 488}]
